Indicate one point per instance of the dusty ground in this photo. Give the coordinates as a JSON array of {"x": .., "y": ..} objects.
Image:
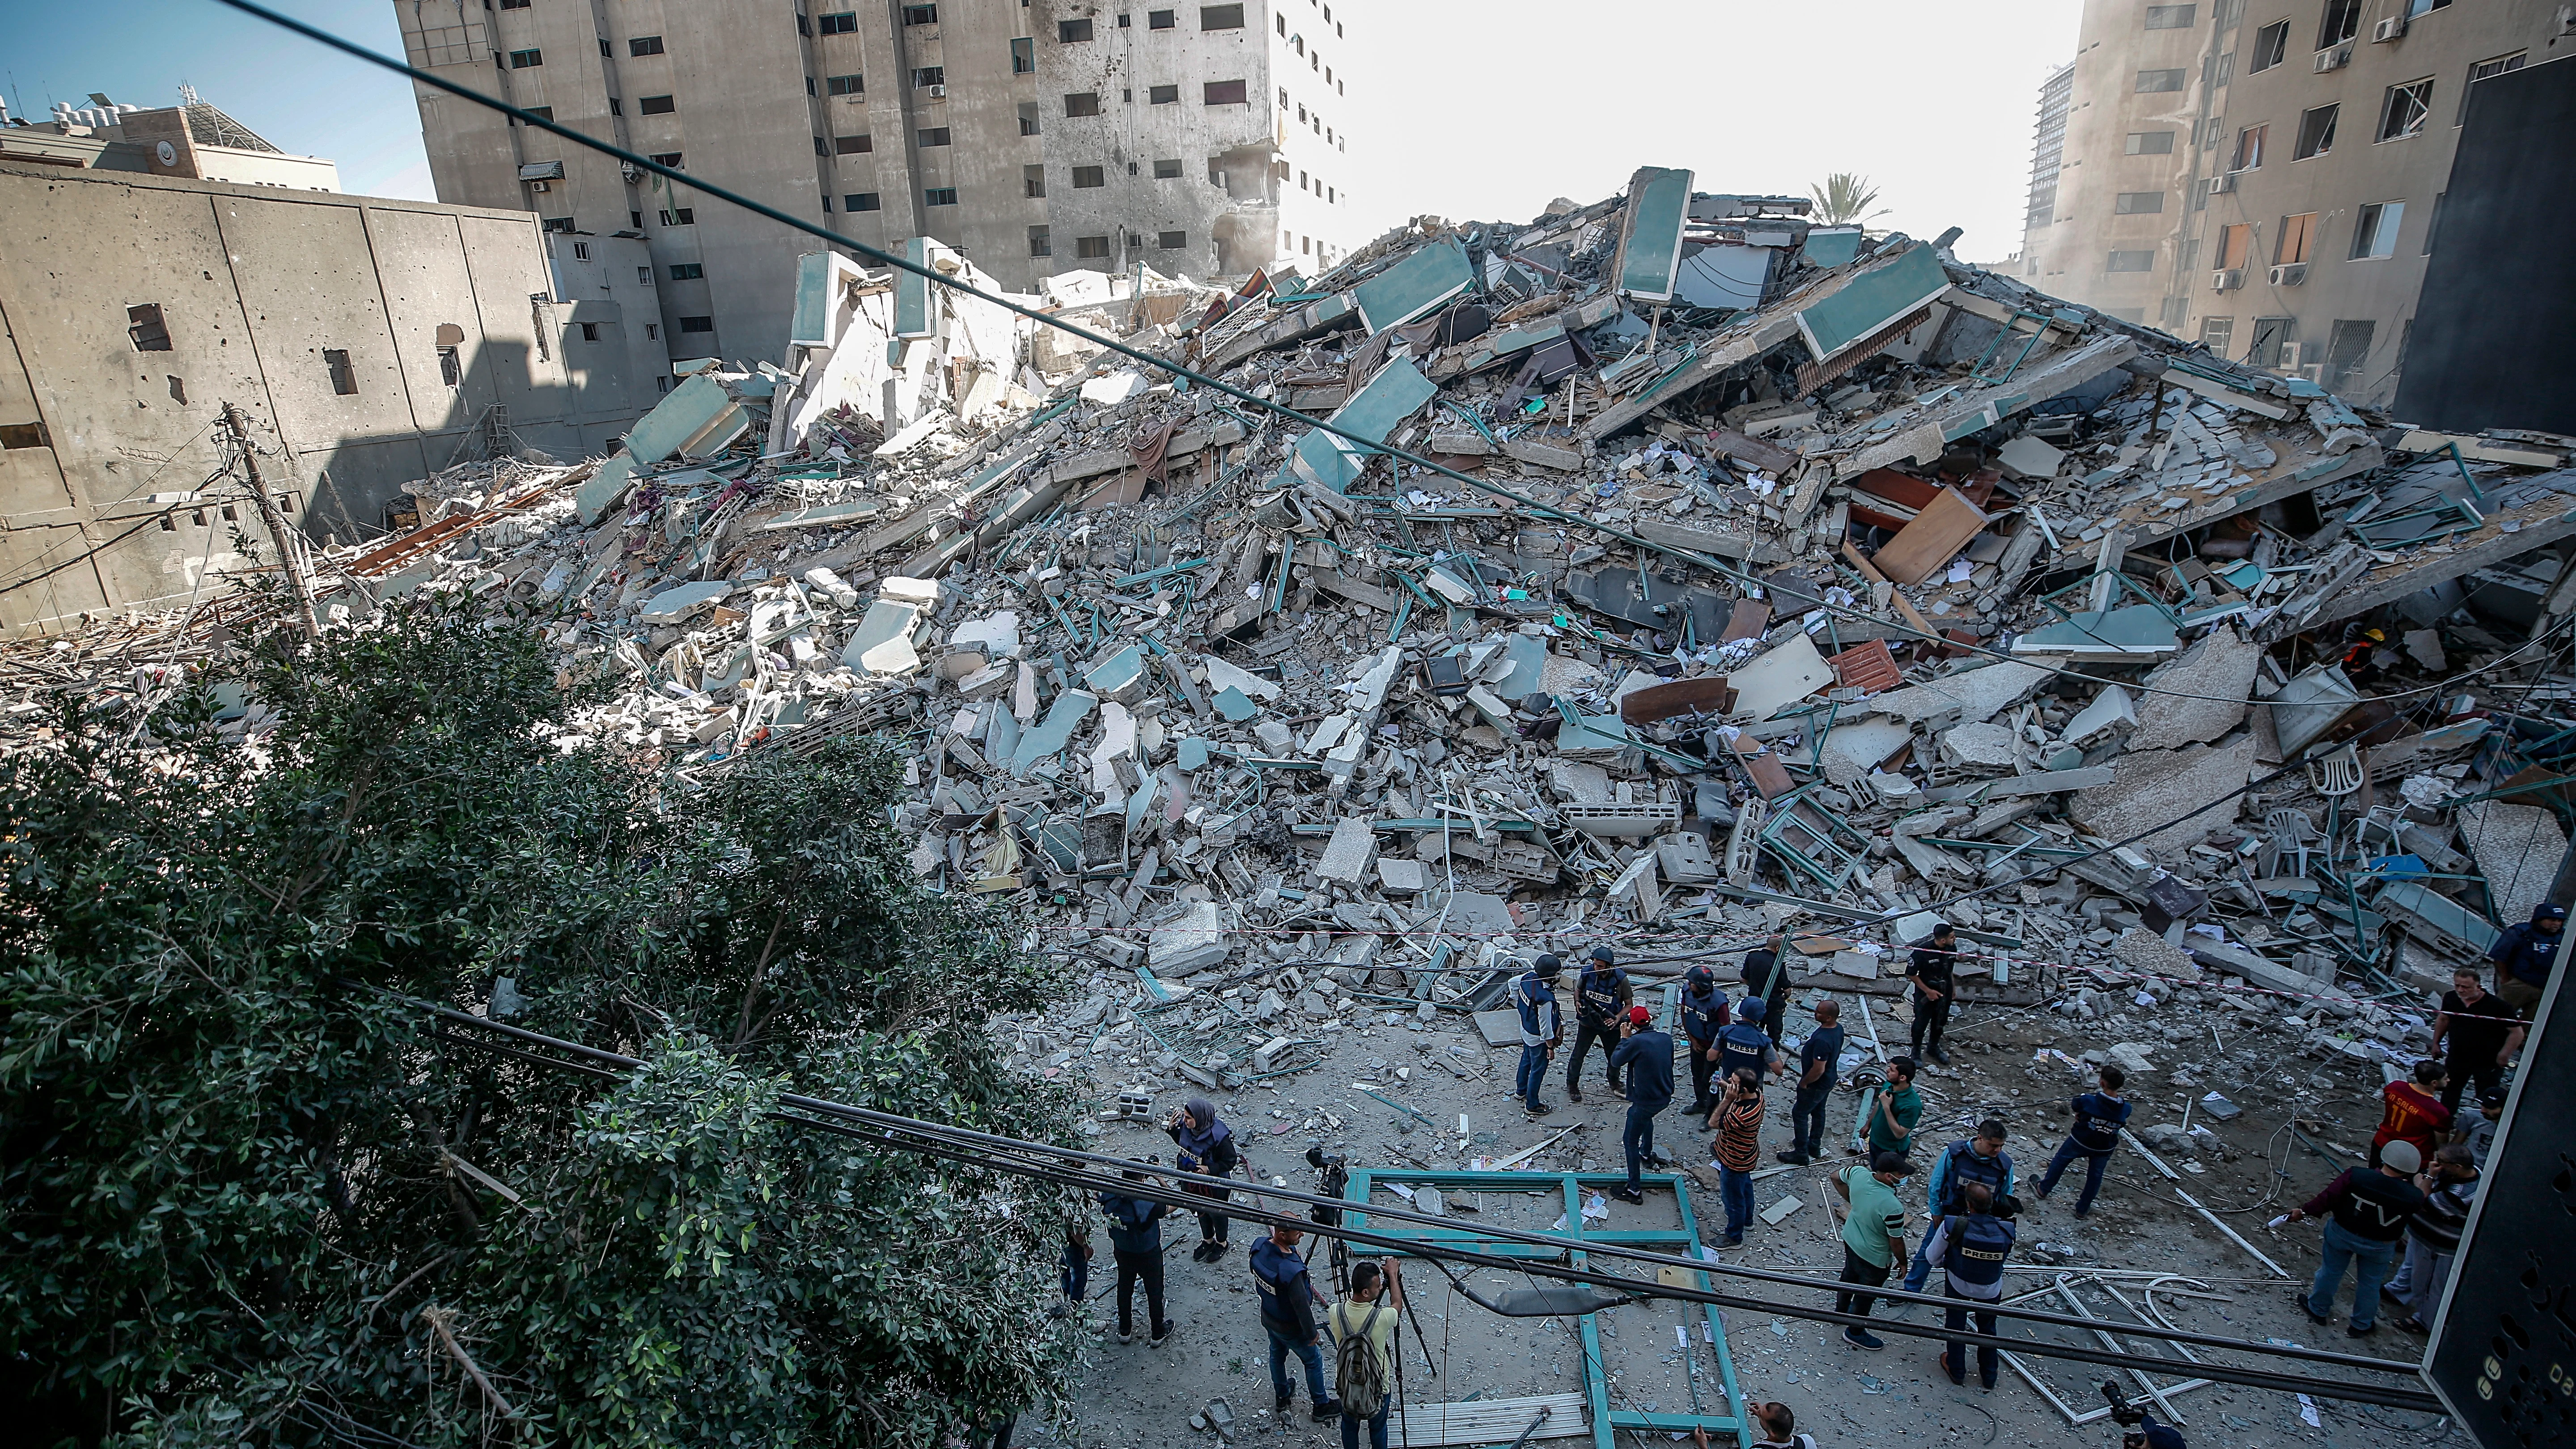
[{"x": 2253, "y": 1169}]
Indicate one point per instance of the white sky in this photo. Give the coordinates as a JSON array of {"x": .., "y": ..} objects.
[{"x": 1486, "y": 109}]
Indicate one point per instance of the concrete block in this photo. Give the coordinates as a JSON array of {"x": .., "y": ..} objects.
[
  {"x": 2131, "y": 1057},
  {"x": 1495, "y": 712},
  {"x": 1988, "y": 746},
  {"x": 1276, "y": 738},
  {"x": 2143, "y": 950},
  {"x": 1121, "y": 678},
  {"x": 1977, "y": 694},
  {"x": 1124, "y": 954},
  {"x": 2160, "y": 788},
  {"x": 1352, "y": 850},
  {"x": 2109, "y": 709},
  {"x": 990, "y": 682},
  {"x": 1267, "y": 1056},
  {"x": 1190, "y": 944},
  {"x": 1577, "y": 783},
  {"x": 1399, "y": 877},
  {"x": 1857, "y": 746},
  {"x": 671, "y": 606},
  {"x": 1540, "y": 453},
  {"x": 2222, "y": 666}
]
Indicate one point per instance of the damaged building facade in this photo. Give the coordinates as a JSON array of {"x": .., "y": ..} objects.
[
  {"x": 1196, "y": 139},
  {"x": 2268, "y": 182},
  {"x": 370, "y": 341}
]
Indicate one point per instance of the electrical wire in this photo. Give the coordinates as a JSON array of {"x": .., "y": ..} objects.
[
  {"x": 1075, "y": 1168},
  {"x": 155, "y": 477},
  {"x": 1365, "y": 446}
]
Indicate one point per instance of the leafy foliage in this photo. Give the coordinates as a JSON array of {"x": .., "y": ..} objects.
[
  {"x": 1845, "y": 198},
  {"x": 225, "y": 1136}
]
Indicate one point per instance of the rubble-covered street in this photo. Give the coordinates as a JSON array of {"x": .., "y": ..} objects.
[{"x": 2220, "y": 718}]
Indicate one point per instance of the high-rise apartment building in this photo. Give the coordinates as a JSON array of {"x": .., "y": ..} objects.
[
  {"x": 1032, "y": 135},
  {"x": 2266, "y": 177}
]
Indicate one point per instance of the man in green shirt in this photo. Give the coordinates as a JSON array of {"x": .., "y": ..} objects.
[
  {"x": 1873, "y": 1236},
  {"x": 1887, "y": 1118}
]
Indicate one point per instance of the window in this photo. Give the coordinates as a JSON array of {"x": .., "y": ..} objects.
[
  {"x": 931, "y": 136},
  {"x": 2235, "y": 245},
  {"x": 2160, "y": 80},
  {"x": 652, "y": 331},
  {"x": 1091, "y": 246},
  {"x": 2316, "y": 132},
  {"x": 1162, "y": 95},
  {"x": 644, "y": 276},
  {"x": 2150, "y": 143},
  {"x": 656, "y": 105},
  {"x": 1226, "y": 93},
  {"x": 1024, "y": 56},
  {"x": 1167, "y": 170},
  {"x": 1087, "y": 177},
  {"x": 1171, "y": 241},
  {"x": 2340, "y": 22},
  {"x": 514, "y": 4},
  {"x": 2271, "y": 335},
  {"x": 679, "y": 216},
  {"x": 451, "y": 367},
  {"x": 662, "y": 383},
  {"x": 821, "y": 148},
  {"x": 845, "y": 22},
  {"x": 644, "y": 45},
  {"x": 1040, "y": 243},
  {"x": 2403, "y": 111},
  {"x": 2291, "y": 246},
  {"x": 665, "y": 158},
  {"x": 527, "y": 59},
  {"x": 614, "y": 108},
  {"x": 635, "y": 219},
  {"x": 803, "y": 27},
  {"x": 2249, "y": 147},
  {"x": 2216, "y": 333},
  {"x": 143, "y": 324},
  {"x": 589, "y": 331},
  {"x": 827, "y": 203},
  {"x": 2139, "y": 203},
  {"x": 555, "y": 223},
  {"x": 846, "y": 85},
  {"x": 1224, "y": 17},
  {"x": 1122, "y": 21},
  {"x": 2347, "y": 351},
  {"x": 861, "y": 201},
  {"x": 2271, "y": 47},
  {"x": 1033, "y": 180},
  {"x": 1072, "y": 32},
  {"x": 926, "y": 76},
  {"x": 921, "y": 15},
  {"x": 853, "y": 145},
  {"x": 940, "y": 196},
  {"x": 344, "y": 378},
  {"x": 581, "y": 251},
  {"x": 1087, "y": 103},
  {"x": 2484, "y": 70},
  {"x": 2374, "y": 229},
  {"x": 1161, "y": 19},
  {"x": 2131, "y": 262},
  {"x": 2417, "y": 9},
  {"x": 687, "y": 271},
  {"x": 1028, "y": 118},
  {"x": 542, "y": 113},
  {"x": 2170, "y": 17},
  {"x": 697, "y": 324}
]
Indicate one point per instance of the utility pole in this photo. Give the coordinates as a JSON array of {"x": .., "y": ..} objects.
[{"x": 268, "y": 513}]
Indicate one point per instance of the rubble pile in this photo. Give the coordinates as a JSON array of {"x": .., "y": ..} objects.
[{"x": 1768, "y": 578}]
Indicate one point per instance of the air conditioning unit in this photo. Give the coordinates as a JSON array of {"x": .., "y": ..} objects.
[
  {"x": 2314, "y": 372},
  {"x": 2222, "y": 184},
  {"x": 2392, "y": 28},
  {"x": 2289, "y": 357},
  {"x": 2289, "y": 274},
  {"x": 539, "y": 186},
  {"x": 2335, "y": 59},
  {"x": 937, "y": 93},
  {"x": 2229, "y": 280}
]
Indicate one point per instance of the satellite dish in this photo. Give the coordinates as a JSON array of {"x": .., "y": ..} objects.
[{"x": 168, "y": 153}]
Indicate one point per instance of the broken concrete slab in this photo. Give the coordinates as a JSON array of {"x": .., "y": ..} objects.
[
  {"x": 2199, "y": 694},
  {"x": 1856, "y": 747},
  {"x": 1193, "y": 943},
  {"x": 2518, "y": 849},
  {"x": 1977, "y": 694},
  {"x": 2159, "y": 795},
  {"x": 1789, "y": 672},
  {"x": 1070, "y": 709},
  {"x": 1352, "y": 850}
]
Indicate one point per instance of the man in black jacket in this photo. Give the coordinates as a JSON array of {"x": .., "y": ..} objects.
[
  {"x": 1766, "y": 975},
  {"x": 1648, "y": 1056},
  {"x": 2369, "y": 1208},
  {"x": 2525, "y": 954},
  {"x": 1601, "y": 1001},
  {"x": 1136, "y": 1244},
  {"x": 1934, "y": 961}
]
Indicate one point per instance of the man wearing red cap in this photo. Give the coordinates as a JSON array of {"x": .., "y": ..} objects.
[{"x": 1646, "y": 1056}]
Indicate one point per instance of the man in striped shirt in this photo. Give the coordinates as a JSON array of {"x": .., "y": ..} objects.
[{"x": 1738, "y": 1124}]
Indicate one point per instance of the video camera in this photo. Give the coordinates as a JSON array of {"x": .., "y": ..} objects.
[
  {"x": 2137, "y": 1430},
  {"x": 1332, "y": 1176}
]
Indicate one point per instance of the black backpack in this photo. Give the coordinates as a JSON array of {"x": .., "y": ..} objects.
[{"x": 1358, "y": 1378}]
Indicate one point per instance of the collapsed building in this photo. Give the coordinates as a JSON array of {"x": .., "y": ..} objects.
[{"x": 1741, "y": 577}]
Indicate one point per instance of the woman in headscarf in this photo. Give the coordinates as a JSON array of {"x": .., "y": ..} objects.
[{"x": 1207, "y": 1151}]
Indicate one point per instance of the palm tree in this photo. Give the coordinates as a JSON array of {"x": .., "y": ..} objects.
[{"x": 1845, "y": 199}]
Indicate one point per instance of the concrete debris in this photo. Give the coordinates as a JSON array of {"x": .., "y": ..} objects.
[{"x": 1811, "y": 605}]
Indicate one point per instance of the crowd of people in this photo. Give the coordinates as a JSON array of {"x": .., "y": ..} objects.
[{"x": 2394, "y": 1224}]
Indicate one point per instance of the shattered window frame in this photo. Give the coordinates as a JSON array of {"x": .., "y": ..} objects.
[
  {"x": 2316, "y": 131},
  {"x": 1041, "y": 241},
  {"x": 2375, "y": 226},
  {"x": 2272, "y": 337},
  {"x": 146, "y": 327},
  {"x": 2249, "y": 147},
  {"x": 2339, "y": 22},
  {"x": 1024, "y": 55},
  {"x": 644, "y": 45},
  {"x": 2130, "y": 261},
  {"x": 2216, "y": 333},
  {"x": 2271, "y": 47},
  {"x": 344, "y": 374},
  {"x": 2488, "y": 69},
  {"x": 2406, "y": 110}
]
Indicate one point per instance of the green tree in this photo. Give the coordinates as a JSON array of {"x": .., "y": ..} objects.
[
  {"x": 230, "y": 1148},
  {"x": 1845, "y": 199}
]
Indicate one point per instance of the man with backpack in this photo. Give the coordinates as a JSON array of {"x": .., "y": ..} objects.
[
  {"x": 1363, "y": 1329},
  {"x": 1288, "y": 1300},
  {"x": 1979, "y": 1159}
]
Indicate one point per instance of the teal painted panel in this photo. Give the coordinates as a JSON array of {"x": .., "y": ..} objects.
[
  {"x": 912, "y": 292},
  {"x": 1657, "y": 211},
  {"x": 1413, "y": 286},
  {"x": 1396, "y": 393},
  {"x": 1873, "y": 299},
  {"x": 1833, "y": 248},
  {"x": 689, "y": 409},
  {"x": 813, "y": 301},
  {"x": 606, "y": 486}
]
